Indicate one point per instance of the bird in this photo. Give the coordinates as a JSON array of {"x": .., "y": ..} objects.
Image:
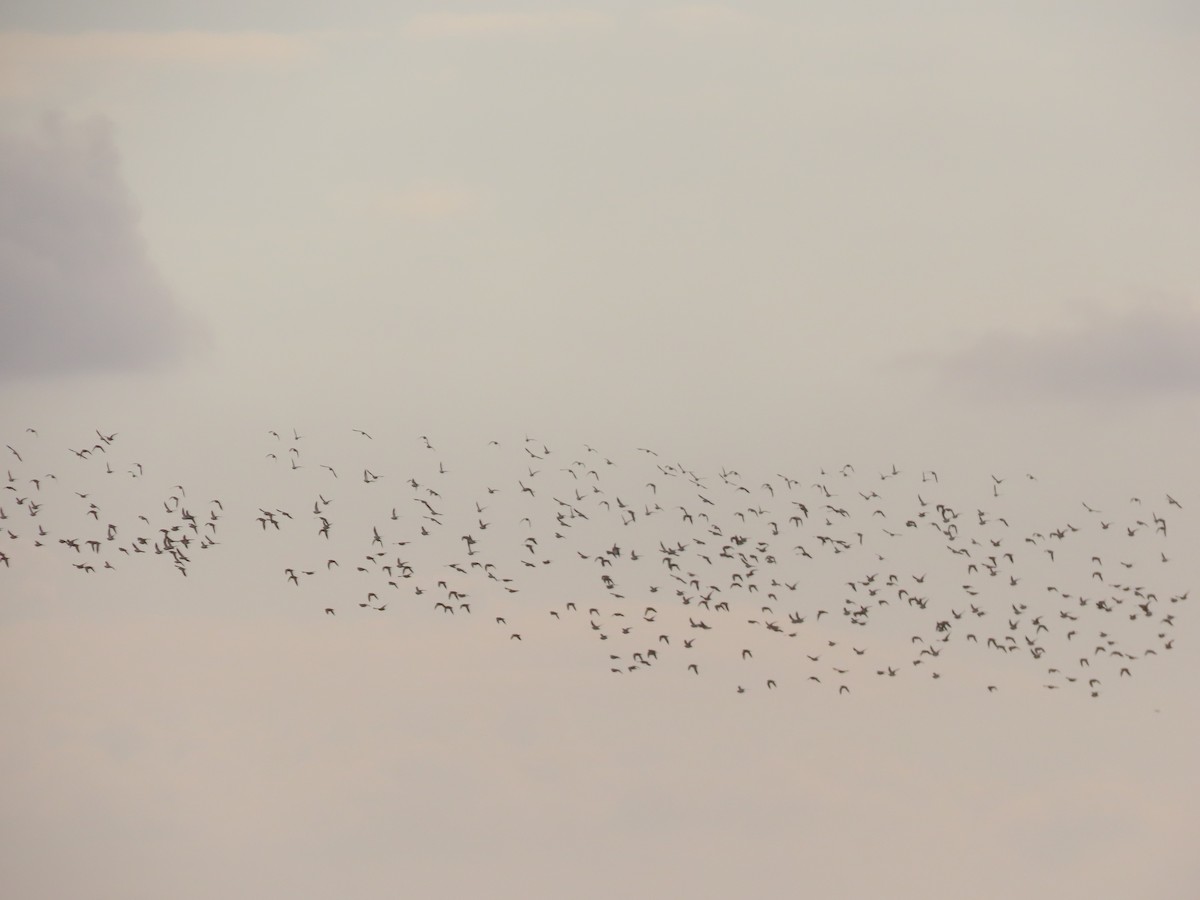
[{"x": 707, "y": 564}]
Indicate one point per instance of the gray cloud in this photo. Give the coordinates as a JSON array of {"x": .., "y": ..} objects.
[
  {"x": 77, "y": 290},
  {"x": 1137, "y": 353}
]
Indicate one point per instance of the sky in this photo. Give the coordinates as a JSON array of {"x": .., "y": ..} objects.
[{"x": 764, "y": 237}]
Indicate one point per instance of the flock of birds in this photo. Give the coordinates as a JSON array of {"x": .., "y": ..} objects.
[{"x": 810, "y": 582}]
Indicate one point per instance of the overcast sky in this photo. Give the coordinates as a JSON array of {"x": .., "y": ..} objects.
[{"x": 769, "y": 236}]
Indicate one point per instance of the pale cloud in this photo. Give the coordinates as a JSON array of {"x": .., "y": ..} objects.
[
  {"x": 419, "y": 200},
  {"x": 32, "y": 61},
  {"x": 175, "y": 48},
  {"x": 504, "y": 25},
  {"x": 1141, "y": 352},
  {"x": 702, "y": 19},
  {"x": 78, "y": 291}
]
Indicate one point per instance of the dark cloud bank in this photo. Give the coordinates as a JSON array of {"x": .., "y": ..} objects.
[
  {"x": 1139, "y": 353},
  {"x": 77, "y": 290}
]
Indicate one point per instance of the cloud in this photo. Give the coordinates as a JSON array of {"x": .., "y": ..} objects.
[
  {"x": 702, "y": 19},
  {"x": 503, "y": 25},
  {"x": 173, "y": 47},
  {"x": 1104, "y": 354},
  {"x": 420, "y": 200},
  {"x": 30, "y": 61},
  {"x": 77, "y": 290}
]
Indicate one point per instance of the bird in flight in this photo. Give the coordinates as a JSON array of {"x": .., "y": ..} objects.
[{"x": 722, "y": 565}]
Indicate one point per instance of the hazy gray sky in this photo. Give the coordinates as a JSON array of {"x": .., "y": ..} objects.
[{"x": 769, "y": 236}]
